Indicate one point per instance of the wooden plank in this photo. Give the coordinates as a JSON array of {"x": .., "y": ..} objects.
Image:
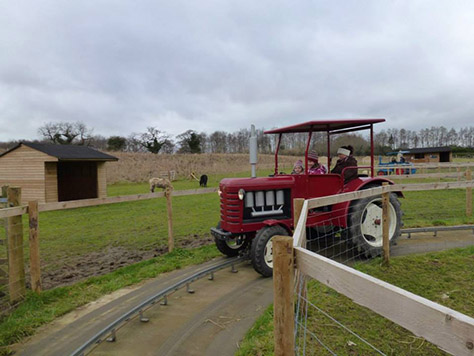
[
  {"x": 15, "y": 211},
  {"x": 169, "y": 209},
  {"x": 16, "y": 265},
  {"x": 359, "y": 194},
  {"x": 35, "y": 269},
  {"x": 118, "y": 199},
  {"x": 385, "y": 227},
  {"x": 339, "y": 198},
  {"x": 432, "y": 186},
  {"x": 51, "y": 182},
  {"x": 101, "y": 180},
  {"x": 442, "y": 326},
  {"x": 283, "y": 308},
  {"x": 299, "y": 235},
  {"x": 73, "y": 204},
  {"x": 297, "y": 206},
  {"x": 468, "y": 195},
  {"x": 423, "y": 176},
  {"x": 179, "y": 193}
]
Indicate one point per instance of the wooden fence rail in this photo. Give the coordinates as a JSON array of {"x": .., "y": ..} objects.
[
  {"x": 442, "y": 326},
  {"x": 14, "y": 214},
  {"x": 448, "y": 329}
]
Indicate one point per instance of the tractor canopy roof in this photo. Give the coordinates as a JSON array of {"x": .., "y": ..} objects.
[{"x": 331, "y": 126}]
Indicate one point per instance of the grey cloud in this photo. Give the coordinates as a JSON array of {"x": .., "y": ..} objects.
[{"x": 214, "y": 65}]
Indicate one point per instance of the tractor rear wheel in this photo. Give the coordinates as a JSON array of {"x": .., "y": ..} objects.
[
  {"x": 231, "y": 246},
  {"x": 261, "y": 252},
  {"x": 366, "y": 224}
]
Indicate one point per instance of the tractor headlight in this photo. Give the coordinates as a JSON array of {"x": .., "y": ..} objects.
[
  {"x": 219, "y": 192},
  {"x": 241, "y": 194}
]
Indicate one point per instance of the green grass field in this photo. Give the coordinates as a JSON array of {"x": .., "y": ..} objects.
[
  {"x": 40, "y": 309},
  {"x": 142, "y": 225},
  {"x": 443, "y": 277},
  {"x": 68, "y": 234}
]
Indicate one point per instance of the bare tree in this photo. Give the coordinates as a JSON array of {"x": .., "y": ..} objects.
[
  {"x": 66, "y": 133},
  {"x": 153, "y": 140}
]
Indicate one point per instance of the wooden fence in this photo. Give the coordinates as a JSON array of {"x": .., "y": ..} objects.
[
  {"x": 13, "y": 213},
  {"x": 429, "y": 171},
  {"x": 448, "y": 329}
]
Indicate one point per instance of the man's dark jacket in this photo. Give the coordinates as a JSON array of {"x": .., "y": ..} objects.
[{"x": 349, "y": 174}]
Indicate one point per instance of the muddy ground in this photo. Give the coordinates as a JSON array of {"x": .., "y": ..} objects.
[{"x": 108, "y": 260}]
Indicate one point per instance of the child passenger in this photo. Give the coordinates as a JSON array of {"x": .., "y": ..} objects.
[
  {"x": 298, "y": 168},
  {"x": 316, "y": 168}
]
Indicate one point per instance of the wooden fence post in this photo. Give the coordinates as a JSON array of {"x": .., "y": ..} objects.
[
  {"x": 16, "y": 266},
  {"x": 297, "y": 207},
  {"x": 385, "y": 226},
  {"x": 4, "y": 205},
  {"x": 170, "y": 219},
  {"x": 468, "y": 194},
  {"x": 35, "y": 269},
  {"x": 3, "y": 242},
  {"x": 283, "y": 309}
]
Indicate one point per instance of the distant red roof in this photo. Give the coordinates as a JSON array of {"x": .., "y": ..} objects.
[{"x": 326, "y": 125}]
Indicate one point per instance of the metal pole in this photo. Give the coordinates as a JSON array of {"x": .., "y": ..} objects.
[
  {"x": 253, "y": 149},
  {"x": 372, "y": 150}
]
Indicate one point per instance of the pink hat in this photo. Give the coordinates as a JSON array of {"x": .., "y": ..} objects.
[
  {"x": 299, "y": 163},
  {"x": 313, "y": 156}
]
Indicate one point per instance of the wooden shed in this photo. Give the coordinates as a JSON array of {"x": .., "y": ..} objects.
[
  {"x": 51, "y": 173},
  {"x": 429, "y": 155}
]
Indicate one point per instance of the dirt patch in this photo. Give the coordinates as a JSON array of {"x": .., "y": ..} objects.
[{"x": 108, "y": 260}]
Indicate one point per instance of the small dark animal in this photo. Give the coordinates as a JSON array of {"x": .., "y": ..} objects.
[{"x": 203, "y": 181}]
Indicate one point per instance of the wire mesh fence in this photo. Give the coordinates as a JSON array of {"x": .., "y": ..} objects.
[
  {"x": 95, "y": 240},
  {"x": 328, "y": 323}
]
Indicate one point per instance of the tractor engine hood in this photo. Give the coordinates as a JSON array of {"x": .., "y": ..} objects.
[{"x": 260, "y": 183}]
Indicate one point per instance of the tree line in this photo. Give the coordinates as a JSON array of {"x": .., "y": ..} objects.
[{"x": 156, "y": 141}]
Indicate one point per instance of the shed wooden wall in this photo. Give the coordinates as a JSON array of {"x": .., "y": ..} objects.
[
  {"x": 51, "y": 181},
  {"x": 25, "y": 167},
  {"x": 101, "y": 180}
]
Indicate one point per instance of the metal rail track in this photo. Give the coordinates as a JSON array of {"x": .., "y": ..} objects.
[
  {"x": 435, "y": 229},
  {"x": 161, "y": 295}
]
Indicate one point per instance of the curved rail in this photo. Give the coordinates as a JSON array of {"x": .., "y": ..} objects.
[{"x": 137, "y": 310}]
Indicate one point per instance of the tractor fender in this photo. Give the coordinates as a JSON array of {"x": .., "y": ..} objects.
[
  {"x": 354, "y": 185},
  {"x": 273, "y": 222}
]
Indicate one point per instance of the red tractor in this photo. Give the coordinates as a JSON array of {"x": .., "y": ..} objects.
[{"x": 253, "y": 210}]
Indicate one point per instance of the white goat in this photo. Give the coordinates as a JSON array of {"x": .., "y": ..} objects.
[{"x": 159, "y": 183}]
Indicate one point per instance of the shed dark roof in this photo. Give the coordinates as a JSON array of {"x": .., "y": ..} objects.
[
  {"x": 429, "y": 149},
  {"x": 67, "y": 152}
]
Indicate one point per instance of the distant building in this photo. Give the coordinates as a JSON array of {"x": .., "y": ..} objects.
[
  {"x": 51, "y": 173},
  {"x": 428, "y": 155}
]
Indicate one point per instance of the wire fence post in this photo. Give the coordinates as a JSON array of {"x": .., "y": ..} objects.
[
  {"x": 468, "y": 194},
  {"x": 283, "y": 309},
  {"x": 3, "y": 242},
  {"x": 385, "y": 226},
  {"x": 169, "y": 207},
  {"x": 297, "y": 207},
  {"x": 3, "y": 204},
  {"x": 35, "y": 269},
  {"x": 16, "y": 265}
]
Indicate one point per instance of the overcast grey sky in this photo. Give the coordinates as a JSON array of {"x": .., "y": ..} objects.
[{"x": 120, "y": 66}]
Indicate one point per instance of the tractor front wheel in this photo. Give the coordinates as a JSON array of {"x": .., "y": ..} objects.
[
  {"x": 231, "y": 246},
  {"x": 366, "y": 224},
  {"x": 261, "y": 252}
]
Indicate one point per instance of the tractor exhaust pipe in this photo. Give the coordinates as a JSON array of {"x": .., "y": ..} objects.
[{"x": 253, "y": 151}]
